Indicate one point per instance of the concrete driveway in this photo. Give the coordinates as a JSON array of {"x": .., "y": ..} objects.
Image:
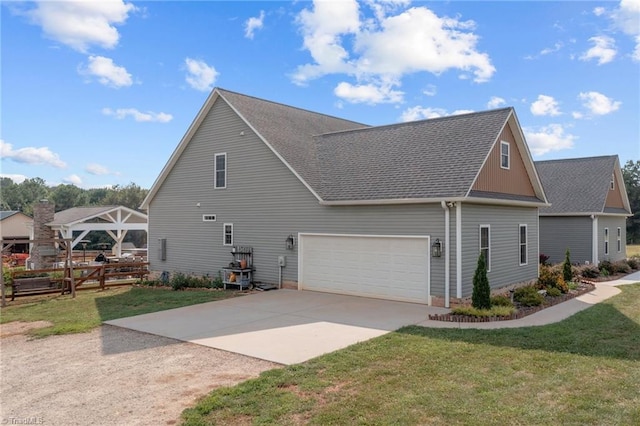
[{"x": 283, "y": 326}]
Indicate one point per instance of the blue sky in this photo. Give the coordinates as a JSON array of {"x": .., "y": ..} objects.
[{"x": 100, "y": 93}]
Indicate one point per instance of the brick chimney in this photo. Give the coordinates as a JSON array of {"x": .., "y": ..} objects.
[{"x": 43, "y": 254}]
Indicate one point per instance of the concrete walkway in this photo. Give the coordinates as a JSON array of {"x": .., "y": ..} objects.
[{"x": 290, "y": 326}]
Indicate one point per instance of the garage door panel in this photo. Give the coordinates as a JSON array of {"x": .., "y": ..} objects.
[{"x": 394, "y": 268}]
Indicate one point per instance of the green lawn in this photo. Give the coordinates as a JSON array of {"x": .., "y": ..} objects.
[
  {"x": 582, "y": 371},
  {"x": 91, "y": 307}
]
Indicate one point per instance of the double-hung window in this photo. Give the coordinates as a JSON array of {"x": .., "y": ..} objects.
[
  {"x": 619, "y": 239},
  {"x": 523, "y": 244},
  {"x": 504, "y": 155},
  {"x": 612, "y": 184},
  {"x": 485, "y": 244},
  {"x": 606, "y": 241},
  {"x": 227, "y": 236},
  {"x": 220, "y": 171}
]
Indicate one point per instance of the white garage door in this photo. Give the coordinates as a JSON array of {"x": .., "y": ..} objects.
[{"x": 386, "y": 267}]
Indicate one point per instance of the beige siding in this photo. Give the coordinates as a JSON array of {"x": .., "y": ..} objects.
[
  {"x": 16, "y": 226},
  {"x": 614, "y": 197},
  {"x": 493, "y": 178}
]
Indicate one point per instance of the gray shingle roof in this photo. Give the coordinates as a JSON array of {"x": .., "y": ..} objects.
[
  {"x": 576, "y": 185},
  {"x": 289, "y": 130},
  {"x": 343, "y": 160},
  {"x": 422, "y": 159}
]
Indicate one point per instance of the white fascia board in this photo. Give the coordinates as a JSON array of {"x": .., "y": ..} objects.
[
  {"x": 391, "y": 201},
  {"x": 585, "y": 214}
]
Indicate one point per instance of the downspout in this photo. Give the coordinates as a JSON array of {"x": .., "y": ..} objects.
[
  {"x": 594, "y": 239},
  {"x": 447, "y": 256},
  {"x": 459, "y": 250}
]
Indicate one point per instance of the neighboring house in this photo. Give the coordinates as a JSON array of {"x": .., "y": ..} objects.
[
  {"x": 16, "y": 225},
  {"x": 397, "y": 212},
  {"x": 589, "y": 207}
]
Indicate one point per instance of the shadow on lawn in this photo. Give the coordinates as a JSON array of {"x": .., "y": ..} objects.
[{"x": 601, "y": 331}]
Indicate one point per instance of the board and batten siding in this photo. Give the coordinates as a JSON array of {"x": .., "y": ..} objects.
[
  {"x": 557, "y": 234},
  {"x": 504, "y": 225},
  {"x": 611, "y": 222},
  {"x": 493, "y": 178},
  {"x": 265, "y": 202}
]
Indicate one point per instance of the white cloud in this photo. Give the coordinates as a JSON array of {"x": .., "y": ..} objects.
[
  {"x": 627, "y": 17},
  {"x": 149, "y": 116},
  {"x": 81, "y": 24},
  {"x": 367, "y": 93},
  {"x": 73, "y": 180},
  {"x": 636, "y": 52},
  {"x": 548, "y": 138},
  {"x": 99, "y": 170},
  {"x": 495, "y": 102},
  {"x": 388, "y": 46},
  {"x": 577, "y": 115},
  {"x": 431, "y": 90},
  {"x": 598, "y": 104},
  {"x": 553, "y": 49},
  {"x": 603, "y": 50},
  {"x": 421, "y": 113},
  {"x": 107, "y": 72},
  {"x": 598, "y": 11},
  {"x": 31, "y": 155},
  {"x": 252, "y": 24},
  {"x": 200, "y": 76},
  {"x": 16, "y": 178},
  {"x": 545, "y": 105}
]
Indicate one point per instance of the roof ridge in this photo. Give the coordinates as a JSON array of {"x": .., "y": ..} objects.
[
  {"x": 418, "y": 122},
  {"x": 597, "y": 157},
  {"x": 220, "y": 89}
]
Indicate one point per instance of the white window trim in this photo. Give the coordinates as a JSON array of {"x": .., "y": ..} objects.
[
  {"x": 488, "y": 261},
  {"x": 215, "y": 171},
  {"x": 224, "y": 234},
  {"x": 619, "y": 239},
  {"x": 606, "y": 241},
  {"x": 526, "y": 244},
  {"x": 208, "y": 217},
  {"x": 508, "y": 145},
  {"x": 612, "y": 184}
]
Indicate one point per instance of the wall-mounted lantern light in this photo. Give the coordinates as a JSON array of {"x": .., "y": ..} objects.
[
  {"x": 436, "y": 248},
  {"x": 290, "y": 242}
]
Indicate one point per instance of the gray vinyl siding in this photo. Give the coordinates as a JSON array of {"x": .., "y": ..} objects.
[
  {"x": 504, "y": 225},
  {"x": 265, "y": 202},
  {"x": 611, "y": 222},
  {"x": 557, "y": 233}
]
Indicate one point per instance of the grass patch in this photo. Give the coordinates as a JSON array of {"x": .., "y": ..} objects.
[
  {"x": 633, "y": 250},
  {"x": 584, "y": 370},
  {"x": 92, "y": 307}
]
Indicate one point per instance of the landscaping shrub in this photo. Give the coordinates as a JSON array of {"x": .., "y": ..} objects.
[
  {"x": 554, "y": 292},
  {"x": 561, "y": 285},
  {"x": 572, "y": 285},
  {"x": 547, "y": 278},
  {"x": 543, "y": 259},
  {"x": 606, "y": 268},
  {"x": 500, "y": 301},
  {"x": 588, "y": 271},
  {"x": 495, "y": 311},
  {"x": 567, "y": 274},
  {"x": 180, "y": 281},
  {"x": 633, "y": 262},
  {"x": 528, "y": 296},
  {"x": 481, "y": 295},
  {"x": 621, "y": 267}
]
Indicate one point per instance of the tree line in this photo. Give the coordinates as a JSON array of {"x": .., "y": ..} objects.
[{"x": 631, "y": 174}]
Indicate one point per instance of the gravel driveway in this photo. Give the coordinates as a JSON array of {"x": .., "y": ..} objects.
[{"x": 110, "y": 376}]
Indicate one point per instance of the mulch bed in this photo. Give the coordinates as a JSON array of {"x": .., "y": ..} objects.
[{"x": 522, "y": 311}]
